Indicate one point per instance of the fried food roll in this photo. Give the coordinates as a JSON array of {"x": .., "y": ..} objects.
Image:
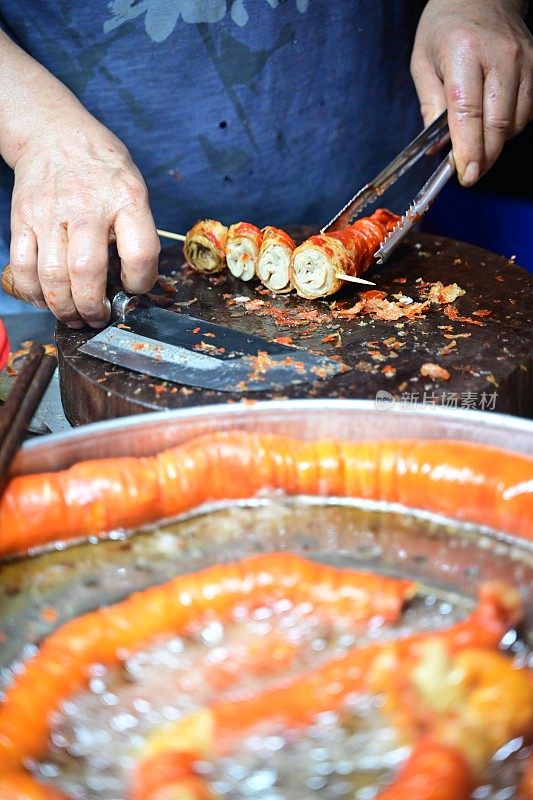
[
  {"x": 317, "y": 263},
  {"x": 205, "y": 246},
  {"x": 242, "y": 249},
  {"x": 274, "y": 260}
]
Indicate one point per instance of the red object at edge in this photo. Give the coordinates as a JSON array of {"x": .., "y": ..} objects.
[{"x": 4, "y": 345}]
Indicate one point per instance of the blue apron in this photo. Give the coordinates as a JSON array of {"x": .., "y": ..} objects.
[{"x": 272, "y": 111}]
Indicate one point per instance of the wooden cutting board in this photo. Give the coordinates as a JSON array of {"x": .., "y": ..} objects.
[{"x": 487, "y": 350}]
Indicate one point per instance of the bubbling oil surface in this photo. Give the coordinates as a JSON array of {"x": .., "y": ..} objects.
[{"x": 97, "y": 734}]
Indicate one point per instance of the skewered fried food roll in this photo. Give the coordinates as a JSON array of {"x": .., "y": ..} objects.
[
  {"x": 274, "y": 260},
  {"x": 205, "y": 246},
  {"x": 317, "y": 263},
  {"x": 242, "y": 250}
]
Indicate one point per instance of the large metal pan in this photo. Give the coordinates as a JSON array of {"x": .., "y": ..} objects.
[
  {"x": 449, "y": 559},
  {"x": 308, "y": 419},
  {"x": 452, "y": 556}
]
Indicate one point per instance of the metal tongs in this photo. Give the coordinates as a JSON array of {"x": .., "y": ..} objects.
[{"x": 430, "y": 136}]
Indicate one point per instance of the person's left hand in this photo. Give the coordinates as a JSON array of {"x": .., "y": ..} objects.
[{"x": 476, "y": 59}]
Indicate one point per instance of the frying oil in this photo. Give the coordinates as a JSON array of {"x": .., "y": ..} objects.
[{"x": 96, "y": 736}]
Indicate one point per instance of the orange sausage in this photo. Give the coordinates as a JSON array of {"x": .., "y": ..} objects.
[
  {"x": 363, "y": 238},
  {"x": 213, "y": 731},
  {"x": 433, "y": 771},
  {"x": 298, "y": 702},
  {"x": 61, "y": 666},
  {"x": 165, "y": 777},
  {"x": 462, "y": 480},
  {"x": 21, "y": 786}
]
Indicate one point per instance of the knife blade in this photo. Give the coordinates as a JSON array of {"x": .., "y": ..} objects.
[{"x": 194, "y": 352}]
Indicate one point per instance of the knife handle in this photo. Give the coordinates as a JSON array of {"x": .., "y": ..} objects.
[
  {"x": 8, "y": 285},
  {"x": 120, "y": 302}
]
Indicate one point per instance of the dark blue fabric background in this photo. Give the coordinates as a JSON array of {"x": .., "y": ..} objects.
[{"x": 273, "y": 111}]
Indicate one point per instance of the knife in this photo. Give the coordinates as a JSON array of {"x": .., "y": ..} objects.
[{"x": 191, "y": 351}]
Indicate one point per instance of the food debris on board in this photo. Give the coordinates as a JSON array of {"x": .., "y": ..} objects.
[
  {"x": 392, "y": 343},
  {"x": 435, "y": 372},
  {"x": 22, "y": 352},
  {"x": 333, "y": 338},
  {"x": 210, "y": 349},
  {"x": 448, "y": 348},
  {"x": 375, "y": 304},
  {"x": 284, "y": 317},
  {"x": 453, "y": 314},
  {"x": 438, "y": 293},
  {"x": 160, "y": 300},
  {"x": 167, "y": 284},
  {"x": 392, "y": 319},
  {"x": 457, "y": 335}
]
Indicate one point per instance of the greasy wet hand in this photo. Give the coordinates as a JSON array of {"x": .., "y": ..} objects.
[
  {"x": 76, "y": 187},
  {"x": 475, "y": 58}
]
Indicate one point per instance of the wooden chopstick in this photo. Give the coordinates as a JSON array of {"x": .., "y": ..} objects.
[
  {"x": 20, "y": 387},
  {"x": 21, "y": 404}
]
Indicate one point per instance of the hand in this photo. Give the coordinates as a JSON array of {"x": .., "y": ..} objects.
[
  {"x": 76, "y": 187},
  {"x": 476, "y": 59}
]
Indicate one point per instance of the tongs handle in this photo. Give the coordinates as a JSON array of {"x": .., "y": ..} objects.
[
  {"x": 418, "y": 207},
  {"x": 390, "y": 174}
]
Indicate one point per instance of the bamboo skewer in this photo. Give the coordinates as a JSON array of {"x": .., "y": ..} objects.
[
  {"x": 178, "y": 237},
  {"x": 8, "y": 284},
  {"x": 352, "y": 279}
]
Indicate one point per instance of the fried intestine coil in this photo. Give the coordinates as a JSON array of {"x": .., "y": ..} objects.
[
  {"x": 242, "y": 250},
  {"x": 317, "y": 263},
  {"x": 274, "y": 260},
  {"x": 205, "y": 246}
]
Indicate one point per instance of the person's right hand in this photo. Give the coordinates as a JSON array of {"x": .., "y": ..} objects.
[
  {"x": 76, "y": 188},
  {"x": 475, "y": 58}
]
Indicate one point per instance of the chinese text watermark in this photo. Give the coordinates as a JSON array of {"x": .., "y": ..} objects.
[{"x": 482, "y": 401}]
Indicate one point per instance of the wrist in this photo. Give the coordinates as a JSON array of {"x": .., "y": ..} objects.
[
  {"x": 67, "y": 132},
  {"x": 34, "y": 106}
]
